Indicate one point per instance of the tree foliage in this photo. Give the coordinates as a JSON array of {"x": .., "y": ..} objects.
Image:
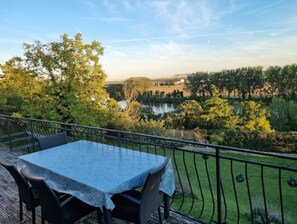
[
  {"x": 218, "y": 113},
  {"x": 61, "y": 81},
  {"x": 189, "y": 113},
  {"x": 17, "y": 85},
  {"x": 198, "y": 83},
  {"x": 254, "y": 117},
  {"x": 150, "y": 127},
  {"x": 283, "y": 114},
  {"x": 246, "y": 82},
  {"x": 134, "y": 86}
]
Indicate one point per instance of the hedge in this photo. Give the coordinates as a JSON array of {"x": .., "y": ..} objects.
[{"x": 273, "y": 142}]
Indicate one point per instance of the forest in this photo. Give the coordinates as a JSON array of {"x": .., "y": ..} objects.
[{"x": 64, "y": 81}]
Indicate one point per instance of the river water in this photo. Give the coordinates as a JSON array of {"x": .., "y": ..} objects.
[{"x": 158, "y": 108}]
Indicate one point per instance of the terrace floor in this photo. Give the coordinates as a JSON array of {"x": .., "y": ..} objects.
[{"x": 9, "y": 206}]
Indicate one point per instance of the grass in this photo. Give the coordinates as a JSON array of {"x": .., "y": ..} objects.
[
  {"x": 170, "y": 89},
  {"x": 188, "y": 199},
  {"x": 270, "y": 180}
]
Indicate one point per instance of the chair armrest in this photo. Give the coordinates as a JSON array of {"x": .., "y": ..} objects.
[
  {"x": 129, "y": 197},
  {"x": 67, "y": 201}
]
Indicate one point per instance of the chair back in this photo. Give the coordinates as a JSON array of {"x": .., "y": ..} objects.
[
  {"x": 25, "y": 190},
  {"x": 52, "y": 140},
  {"x": 50, "y": 204},
  {"x": 150, "y": 197}
]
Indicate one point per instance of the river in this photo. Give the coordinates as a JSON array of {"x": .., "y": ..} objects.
[{"x": 158, "y": 108}]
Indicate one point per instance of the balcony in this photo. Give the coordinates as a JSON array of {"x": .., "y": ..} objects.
[{"x": 214, "y": 184}]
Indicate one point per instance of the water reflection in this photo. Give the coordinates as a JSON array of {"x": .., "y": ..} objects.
[{"x": 158, "y": 108}]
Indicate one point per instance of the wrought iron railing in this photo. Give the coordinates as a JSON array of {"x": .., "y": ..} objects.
[{"x": 214, "y": 184}]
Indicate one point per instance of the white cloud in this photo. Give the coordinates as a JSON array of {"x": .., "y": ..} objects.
[
  {"x": 181, "y": 15},
  {"x": 199, "y": 35},
  {"x": 106, "y": 19},
  {"x": 264, "y": 8}
]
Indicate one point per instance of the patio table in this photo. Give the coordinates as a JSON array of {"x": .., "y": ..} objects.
[{"x": 94, "y": 172}]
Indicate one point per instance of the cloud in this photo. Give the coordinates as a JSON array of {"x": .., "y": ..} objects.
[
  {"x": 181, "y": 15},
  {"x": 273, "y": 46},
  {"x": 90, "y": 4},
  {"x": 194, "y": 36},
  {"x": 169, "y": 48},
  {"x": 264, "y": 8},
  {"x": 106, "y": 19}
]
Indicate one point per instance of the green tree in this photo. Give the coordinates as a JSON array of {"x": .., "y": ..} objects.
[
  {"x": 72, "y": 81},
  {"x": 289, "y": 81},
  {"x": 273, "y": 76},
  {"x": 133, "y": 111},
  {"x": 254, "y": 117},
  {"x": 17, "y": 85},
  {"x": 115, "y": 90},
  {"x": 251, "y": 78},
  {"x": 230, "y": 81},
  {"x": 135, "y": 86},
  {"x": 218, "y": 113},
  {"x": 283, "y": 114},
  {"x": 218, "y": 80},
  {"x": 198, "y": 83},
  {"x": 189, "y": 113}
]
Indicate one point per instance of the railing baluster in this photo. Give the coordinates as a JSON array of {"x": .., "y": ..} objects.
[
  {"x": 200, "y": 187},
  {"x": 249, "y": 192},
  {"x": 225, "y": 203},
  {"x": 264, "y": 194},
  {"x": 218, "y": 183},
  {"x": 281, "y": 194},
  {"x": 189, "y": 182},
  {"x": 235, "y": 192},
  {"x": 179, "y": 179},
  {"x": 210, "y": 188}
]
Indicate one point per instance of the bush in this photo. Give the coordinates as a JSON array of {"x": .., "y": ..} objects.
[
  {"x": 149, "y": 127},
  {"x": 273, "y": 142},
  {"x": 283, "y": 114}
]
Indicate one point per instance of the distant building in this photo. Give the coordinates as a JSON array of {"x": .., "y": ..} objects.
[{"x": 179, "y": 81}]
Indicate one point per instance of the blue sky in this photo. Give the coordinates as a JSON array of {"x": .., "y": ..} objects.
[{"x": 158, "y": 38}]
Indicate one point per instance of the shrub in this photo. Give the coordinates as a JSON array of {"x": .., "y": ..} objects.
[
  {"x": 273, "y": 142},
  {"x": 283, "y": 114},
  {"x": 149, "y": 127}
]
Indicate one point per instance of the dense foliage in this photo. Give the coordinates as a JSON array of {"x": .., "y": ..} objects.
[
  {"x": 275, "y": 142},
  {"x": 115, "y": 91},
  {"x": 283, "y": 114},
  {"x": 60, "y": 81},
  {"x": 246, "y": 82},
  {"x": 134, "y": 86}
]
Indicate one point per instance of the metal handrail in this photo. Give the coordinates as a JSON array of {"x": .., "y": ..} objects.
[{"x": 206, "y": 180}]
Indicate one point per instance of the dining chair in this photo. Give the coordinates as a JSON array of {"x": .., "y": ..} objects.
[
  {"x": 26, "y": 194},
  {"x": 54, "y": 211},
  {"x": 137, "y": 207},
  {"x": 50, "y": 141}
]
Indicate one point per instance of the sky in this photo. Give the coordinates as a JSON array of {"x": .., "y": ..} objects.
[{"x": 159, "y": 38}]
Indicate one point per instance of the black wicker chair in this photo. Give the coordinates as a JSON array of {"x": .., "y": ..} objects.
[
  {"x": 52, "y": 140},
  {"x": 137, "y": 207},
  {"x": 55, "y": 212},
  {"x": 26, "y": 195}
]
